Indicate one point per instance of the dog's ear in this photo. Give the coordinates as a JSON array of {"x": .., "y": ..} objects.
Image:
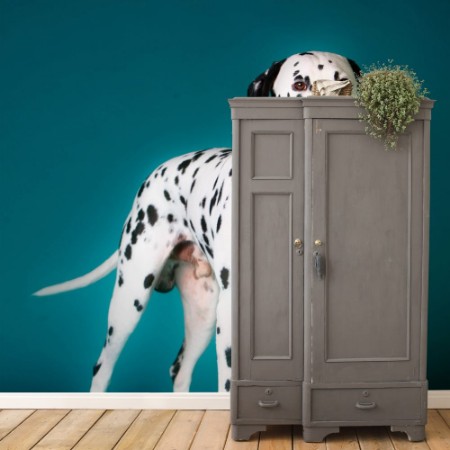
[
  {"x": 356, "y": 69},
  {"x": 262, "y": 86}
]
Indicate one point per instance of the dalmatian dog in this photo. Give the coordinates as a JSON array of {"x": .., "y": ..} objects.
[{"x": 178, "y": 233}]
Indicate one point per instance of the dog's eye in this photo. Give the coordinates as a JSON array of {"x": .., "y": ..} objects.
[{"x": 299, "y": 86}]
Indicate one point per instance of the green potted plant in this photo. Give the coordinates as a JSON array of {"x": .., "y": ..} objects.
[{"x": 391, "y": 96}]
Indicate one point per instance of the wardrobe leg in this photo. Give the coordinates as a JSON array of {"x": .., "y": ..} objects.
[
  {"x": 318, "y": 434},
  {"x": 244, "y": 432},
  {"x": 415, "y": 433}
]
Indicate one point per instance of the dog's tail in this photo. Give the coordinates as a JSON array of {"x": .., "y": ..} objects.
[{"x": 98, "y": 273}]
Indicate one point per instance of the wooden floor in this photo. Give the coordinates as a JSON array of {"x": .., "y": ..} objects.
[{"x": 179, "y": 430}]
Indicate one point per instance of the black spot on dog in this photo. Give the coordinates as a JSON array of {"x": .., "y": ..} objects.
[
  {"x": 203, "y": 202},
  {"x": 185, "y": 222},
  {"x": 195, "y": 172},
  {"x": 96, "y": 369},
  {"x": 227, "y": 385},
  {"x": 210, "y": 252},
  {"x": 121, "y": 238},
  {"x": 170, "y": 218},
  {"x": 167, "y": 195},
  {"x": 128, "y": 225},
  {"x": 210, "y": 159},
  {"x": 192, "y": 186},
  {"x": 147, "y": 184},
  {"x": 163, "y": 171},
  {"x": 331, "y": 62},
  {"x": 228, "y": 356},
  {"x": 296, "y": 73},
  {"x": 224, "y": 275},
  {"x": 149, "y": 280},
  {"x": 203, "y": 224},
  {"x": 140, "y": 227},
  {"x": 220, "y": 192},
  {"x": 141, "y": 189},
  {"x": 307, "y": 80},
  {"x": 218, "y": 330},
  {"x": 288, "y": 94},
  {"x": 184, "y": 165},
  {"x": 197, "y": 155},
  {"x": 215, "y": 183},
  {"x": 229, "y": 173},
  {"x": 110, "y": 331},
  {"x": 298, "y": 78},
  {"x": 128, "y": 252},
  {"x": 140, "y": 215},
  {"x": 320, "y": 66},
  {"x": 219, "y": 223},
  {"x": 213, "y": 202},
  {"x": 183, "y": 201},
  {"x": 306, "y": 53},
  {"x": 177, "y": 363},
  {"x": 177, "y": 180},
  {"x": 174, "y": 370},
  {"x": 138, "y": 306},
  {"x": 296, "y": 64},
  {"x": 120, "y": 281},
  {"x": 152, "y": 214},
  {"x": 205, "y": 239},
  {"x": 336, "y": 75},
  {"x": 192, "y": 226}
]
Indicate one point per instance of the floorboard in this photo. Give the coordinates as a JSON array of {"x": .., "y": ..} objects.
[
  {"x": 181, "y": 431},
  {"x": 67, "y": 433},
  {"x": 212, "y": 432},
  {"x": 194, "y": 430},
  {"x": 146, "y": 430},
  {"x": 10, "y": 419},
  {"x": 32, "y": 429},
  {"x": 107, "y": 431}
]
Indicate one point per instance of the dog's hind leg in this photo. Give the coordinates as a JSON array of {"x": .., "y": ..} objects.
[
  {"x": 132, "y": 291},
  {"x": 199, "y": 296},
  {"x": 141, "y": 260}
]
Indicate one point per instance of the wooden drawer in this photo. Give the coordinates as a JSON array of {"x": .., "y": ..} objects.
[
  {"x": 270, "y": 404},
  {"x": 371, "y": 406}
]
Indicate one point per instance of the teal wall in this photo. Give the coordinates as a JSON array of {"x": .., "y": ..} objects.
[{"x": 95, "y": 94}]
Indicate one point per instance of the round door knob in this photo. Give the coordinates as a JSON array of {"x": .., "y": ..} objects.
[
  {"x": 318, "y": 243},
  {"x": 298, "y": 243}
]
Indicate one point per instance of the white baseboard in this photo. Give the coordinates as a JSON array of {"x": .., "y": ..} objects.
[
  {"x": 167, "y": 400},
  {"x": 438, "y": 399}
]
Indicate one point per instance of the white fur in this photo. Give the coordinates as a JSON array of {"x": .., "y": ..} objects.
[{"x": 171, "y": 209}]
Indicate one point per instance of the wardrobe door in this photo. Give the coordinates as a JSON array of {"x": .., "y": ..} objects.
[
  {"x": 270, "y": 252},
  {"x": 364, "y": 263}
]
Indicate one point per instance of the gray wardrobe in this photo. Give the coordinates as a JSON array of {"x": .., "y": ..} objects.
[{"x": 330, "y": 269}]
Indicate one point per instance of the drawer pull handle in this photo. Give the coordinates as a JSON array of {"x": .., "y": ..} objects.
[
  {"x": 266, "y": 404},
  {"x": 366, "y": 405}
]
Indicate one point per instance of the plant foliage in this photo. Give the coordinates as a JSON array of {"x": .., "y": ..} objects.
[{"x": 391, "y": 96}]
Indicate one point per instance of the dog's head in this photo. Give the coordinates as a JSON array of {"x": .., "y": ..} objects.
[{"x": 295, "y": 76}]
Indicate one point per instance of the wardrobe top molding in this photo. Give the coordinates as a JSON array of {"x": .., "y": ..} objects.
[{"x": 306, "y": 108}]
